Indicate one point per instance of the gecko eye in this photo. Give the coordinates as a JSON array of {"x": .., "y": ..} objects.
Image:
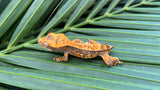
[{"x": 46, "y": 44}]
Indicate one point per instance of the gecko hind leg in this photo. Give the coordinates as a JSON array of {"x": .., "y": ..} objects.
[
  {"x": 110, "y": 61},
  {"x": 64, "y": 58}
]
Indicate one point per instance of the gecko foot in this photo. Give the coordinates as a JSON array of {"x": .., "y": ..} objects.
[
  {"x": 115, "y": 61},
  {"x": 58, "y": 59}
]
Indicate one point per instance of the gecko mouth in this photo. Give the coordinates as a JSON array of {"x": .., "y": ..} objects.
[{"x": 40, "y": 43}]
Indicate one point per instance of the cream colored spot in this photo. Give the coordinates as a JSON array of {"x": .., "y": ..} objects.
[{"x": 81, "y": 55}]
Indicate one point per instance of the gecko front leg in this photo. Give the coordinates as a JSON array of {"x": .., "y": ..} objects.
[{"x": 64, "y": 58}]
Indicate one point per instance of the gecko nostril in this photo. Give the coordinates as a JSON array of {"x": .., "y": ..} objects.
[{"x": 39, "y": 43}]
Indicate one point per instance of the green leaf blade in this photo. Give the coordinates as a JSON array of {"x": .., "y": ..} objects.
[
  {"x": 124, "y": 33},
  {"x": 11, "y": 14},
  {"x": 130, "y": 24},
  {"x": 111, "y": 6},
  {"x": 33, "y": 14},
  {"x": 35, "y": 78},
  {"x": 145, "y": 10},
  {"x": 146, "y": 17},
  {"x": 81, "y": 8},
  {"x": 86, "y": 70},
  {"x": 153, "y": 3},
  {"x": 97, "y": 8},
  {"x": 60, "y": 15}
]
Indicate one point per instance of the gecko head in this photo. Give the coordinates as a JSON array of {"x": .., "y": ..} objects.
[
  {"x": 53, "y": 40},
  {"x": 43, "y": 42}
]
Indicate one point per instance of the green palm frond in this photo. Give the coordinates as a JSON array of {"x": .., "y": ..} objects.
[{"x": 131, "y": 26}]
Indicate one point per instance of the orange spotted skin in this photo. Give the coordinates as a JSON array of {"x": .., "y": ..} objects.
[{"x": 78, "y": 48}]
